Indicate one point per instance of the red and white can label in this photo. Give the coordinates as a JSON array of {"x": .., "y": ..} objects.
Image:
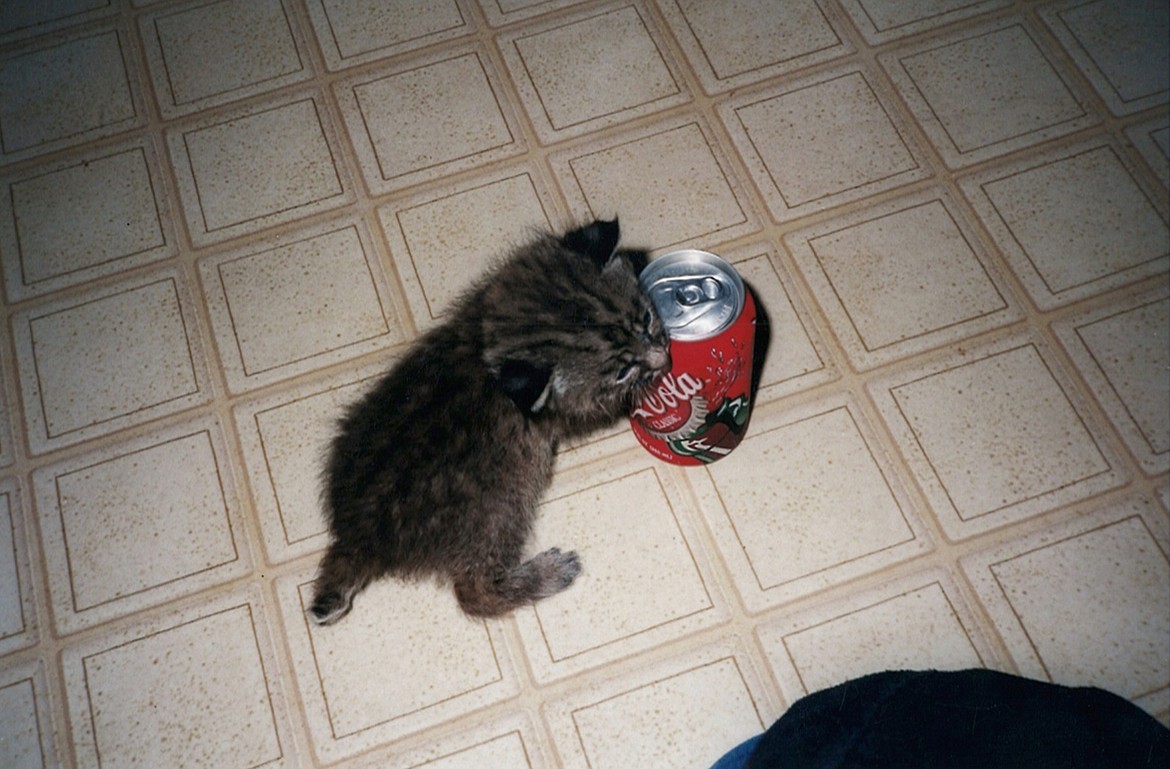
[{"x": 698, "y": 411}]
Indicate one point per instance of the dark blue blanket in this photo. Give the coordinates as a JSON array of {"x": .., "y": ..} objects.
[{"x": 971, "y": 719}]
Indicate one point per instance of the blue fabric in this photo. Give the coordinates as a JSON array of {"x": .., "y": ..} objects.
[
  {"x": 970, "y": 719},
  {"x": 737, "y": 757}
]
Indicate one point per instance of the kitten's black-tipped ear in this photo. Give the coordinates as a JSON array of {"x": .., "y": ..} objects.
[
  {"x": 527, "y": 385},
  {"x": 598, "y": 241}
]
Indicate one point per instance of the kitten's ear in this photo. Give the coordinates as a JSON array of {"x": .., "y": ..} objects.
[
  {"x": 527, "y": 385},
  {"x": 598, "y": 241},
  {"x": 636, "y": 258}
]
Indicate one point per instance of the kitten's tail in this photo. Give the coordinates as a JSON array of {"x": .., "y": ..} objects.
[
  {"x": 545, "y": 574},
  {"x": 338, "y": 581}
]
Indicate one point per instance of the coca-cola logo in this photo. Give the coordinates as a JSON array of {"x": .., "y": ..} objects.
[
  {"x": 674, "y": 408},
  {"x": 670, "y": 392}
]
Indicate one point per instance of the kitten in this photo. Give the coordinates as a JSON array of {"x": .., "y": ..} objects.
[{"x": 439, "y": 469}]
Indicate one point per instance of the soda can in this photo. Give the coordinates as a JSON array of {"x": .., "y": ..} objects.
[{"x": 697, "y": 412}]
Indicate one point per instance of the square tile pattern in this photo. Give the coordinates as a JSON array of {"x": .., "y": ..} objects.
[
  {"x": 1008, "y": 407},
  {"x": 350, "y": 34},
  {"x": 114, "y": 542},
  {"x": 1119, "y": 352},
  {"x": 986, "y": 92},
  {"x": 314, "y": 297},
  {"x": 429, "y": 118},
  {"x": 580, "y": 74},
  {"x": 1121, "y": 47},
  {"x": 805, "y": 158},
  {"x": 901, "y": 279},
  {"x": 914, "y": 622},
  {"x": 745, "y": 41},
  {"x": 92, "y": 363},
  {"x": 90, "y": 216},
  {"x": 222, "y": 220},
  {"x": 264, "y": 165},
  {"x": 1072, "y": 223},
  {"x": 94, "y": 86},
  {"x": 253, "y": 43}
]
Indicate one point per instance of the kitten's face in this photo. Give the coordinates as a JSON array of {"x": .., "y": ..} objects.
[
  {"x": 622, "y": 348},
  {"x": 582, "y": 339}
]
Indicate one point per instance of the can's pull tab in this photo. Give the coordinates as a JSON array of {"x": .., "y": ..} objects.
[
  {"x": 706, "y": 290},
  {"x": 684, "y": 299}
]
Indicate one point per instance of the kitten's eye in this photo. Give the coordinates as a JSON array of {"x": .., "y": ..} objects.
[{"x": 626, "y": 372}]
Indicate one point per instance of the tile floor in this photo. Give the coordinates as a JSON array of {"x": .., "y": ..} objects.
[{"x": 219, "y": 220}]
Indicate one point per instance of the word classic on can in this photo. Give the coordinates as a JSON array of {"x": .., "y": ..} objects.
[{"x": 698, "y": 411}]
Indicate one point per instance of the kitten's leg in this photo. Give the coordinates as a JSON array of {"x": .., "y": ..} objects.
[
  {"x": 484, "y": 595},
  {"x": 339, "y": 579}
]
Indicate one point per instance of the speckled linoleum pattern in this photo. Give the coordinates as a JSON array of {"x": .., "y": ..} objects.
[{"x": 219, "y": 220}]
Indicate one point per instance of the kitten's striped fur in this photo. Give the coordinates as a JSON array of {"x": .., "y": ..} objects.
[{"x": 439, "y": 469}]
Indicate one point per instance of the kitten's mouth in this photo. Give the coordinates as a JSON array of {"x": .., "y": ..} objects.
[
  {"x": 658, "y": 361},
  {"x": 656, "y": 367}
]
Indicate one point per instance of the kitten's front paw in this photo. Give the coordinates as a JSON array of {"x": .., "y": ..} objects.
[{"x": 560, "y": 569}]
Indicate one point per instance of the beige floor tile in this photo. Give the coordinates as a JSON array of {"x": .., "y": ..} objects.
[
  {"x": 1121, "y": 351},
  {"x": 621, "y": 72},
  {"x": 86, "y": 217},
  {"x": 443, "y": 240},
  {"x": 202, "y": 672},
  {"x": 645, "y": 577},
  {"x": 732, "y": 44},
  {"x": 1152, "y": 139},
  {"x": 367, "y": 681},
  {"x": 424, "y": 118},
  {"x": 670, "y": 182},
  {"x": 510, "y": 743},
  {"x": 285, "y": 438},
  {"x": 1072, "y": 223},
  {"x": 881, "y": 21},
  {"x": 785, "y": 523},
  {"x": 7, "y": 409},
  {"x": 804, "y": 158},
  {"x": 17, "y": 607},
  {"x": 263, "y": 164},
  {"x": 1121, "y": 47},
  {"x": 116, "y": 542},
  {"x": 1086, "y": 603},
  {"x": 351, "y": 33},
  {"x": 27, "y": 729},
  {"x": 682, "y": 713},
  {"x": 254, "y": 44},
  {"x": 995, "y": 434},
  {"x": 26, "y": 18},
  {"x": 914, "y": 623},
  {"x": 94, "y": 89},
  {"x": 99, "y": 362},
  {"x": 501, "y": 12},
  {"x": 797, "y": 357},
  {"x": 985, "y": 92},
  {"x": 902, "y": 278},
  {"x": 299, "y": 303}
]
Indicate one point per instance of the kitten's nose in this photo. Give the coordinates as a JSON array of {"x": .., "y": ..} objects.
[{"x": 658, "y": 359}]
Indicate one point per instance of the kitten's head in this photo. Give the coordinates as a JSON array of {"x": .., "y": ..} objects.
[{"x": 568, "y": 332}]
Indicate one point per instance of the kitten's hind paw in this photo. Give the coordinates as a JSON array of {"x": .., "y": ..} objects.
[
  {"x": 329, "y": 607},
  {"x": 557, "y": 570}
]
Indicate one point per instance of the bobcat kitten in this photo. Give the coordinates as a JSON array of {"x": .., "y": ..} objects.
[{"x": 438, "y": 470}]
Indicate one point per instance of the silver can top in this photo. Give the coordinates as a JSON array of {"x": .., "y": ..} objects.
[{"x": 697, "y": 294}]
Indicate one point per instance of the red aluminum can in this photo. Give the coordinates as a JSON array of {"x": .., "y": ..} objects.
[{"x": 697, "y": 412}]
